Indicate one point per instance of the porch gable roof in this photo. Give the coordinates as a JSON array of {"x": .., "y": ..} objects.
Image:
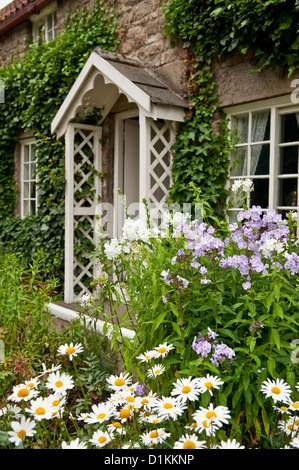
[{"x": 104, "y": 77}]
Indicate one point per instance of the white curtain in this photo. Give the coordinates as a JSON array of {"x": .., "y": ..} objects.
[{"x": 258, "y": 129}]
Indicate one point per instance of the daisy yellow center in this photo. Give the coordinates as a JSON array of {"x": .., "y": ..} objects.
[
  {"x": 208, "y": 385},
  {"x": 40, "y": 411},
  {"x": 186, "y": 389},
  {"x": 101, "y": 416},
  {"x": 119, "y": 382},
  {"x": 290, "y": 427},
  {"x": 117, "y": 425},
  {"x": 31, "y": 385},
  {"x": 167, "y": 406},
  {"x": 21, "y": 434},
  {"x": 275, "y": 390},
  {"x": 283, "y": 408},
  {"x": 296, "y": 422},
  {"x": 206, "y": 424},
  {"x": 102, "y": 439},
  {"x": 153, "y": 434},
  {"x": 295, "y": 405},
  {"x": 55, "y": 402},
  {"x": 124, "y": 413},
  {"x": 194, "y": 425},
  {"x": 147, "y": 358},
  {"x": 130, "y": 399},
  {"x": 144, "y": 401},
  {"x": 211, "y": 414},
  {"x": 161, "y": 350},
  {"x": 23, "y": 392},
  {"x": 58, "y": 384},
  {"x": 70, "y": 350},
  {"x": 188, "y": 445},
  {"x": 155, "y": 421},
  {"x": 157, "y": 371}
]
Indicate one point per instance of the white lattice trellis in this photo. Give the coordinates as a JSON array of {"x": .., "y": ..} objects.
[
  {"x": 83, "y": 190},
  {"x": 162, "y": 138}
]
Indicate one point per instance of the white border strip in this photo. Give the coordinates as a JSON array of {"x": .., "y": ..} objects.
[{"x": 69, "y": 315}]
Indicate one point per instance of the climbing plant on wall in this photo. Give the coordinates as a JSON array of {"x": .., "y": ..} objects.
[
  {"x": 267, "y": 32},
  {"x": 35, "y": 87}
]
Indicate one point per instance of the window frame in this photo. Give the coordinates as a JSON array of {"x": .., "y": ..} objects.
[
  {"x": 28, "y": 142},
  {"x": 41, "y": 20},
  {"x": 278, "y": 107}
]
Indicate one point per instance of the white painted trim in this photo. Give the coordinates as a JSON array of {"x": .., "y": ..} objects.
[{"x": 70, "y": 315}]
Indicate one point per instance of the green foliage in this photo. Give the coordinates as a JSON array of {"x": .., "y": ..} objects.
[
  {"x": 35, "y": 87},
  {"x": 147, "y": 275},
  {"x": 267, "y": 33}
]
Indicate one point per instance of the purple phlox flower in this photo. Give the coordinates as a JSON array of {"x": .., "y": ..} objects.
[
  {"x": 211, "y": 334},
  {"x": 246, "y": 285},
  {"x": 256, "y": 326},
  {"x": 164, "y": 298},
  {"x": 221, "y": 353},
  {"x": 140, "y": 389},
  {"x": 203, "y": 270},
  {"x": 202, "y": 347},
  {"x": 292, "y": 262}
]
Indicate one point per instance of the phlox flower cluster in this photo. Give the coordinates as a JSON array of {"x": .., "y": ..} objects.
[{"x": 207, "y": 345}]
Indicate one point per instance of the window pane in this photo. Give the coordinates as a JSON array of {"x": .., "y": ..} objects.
[
  {"x": 260, "y": 195},
  {"x": 259, "y": 160},
  {"x": 288, "y": 192},
  {"x": 240, "y": 123},
  {"x": 26, "y": 153},
  {"x": 26, "y": 171},
  {"x": 26, "y": 190},
  {"x": 260, "y": 126},
  {"x": 25, "y": 208},
  {"x": 239, "y": 162},
  {"x": 289, "y": 160},
  {"x": 289, "y": 128},
  {"x": 32, "y": 207}
]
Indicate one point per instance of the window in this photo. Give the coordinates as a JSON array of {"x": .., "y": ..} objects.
[
  {"x": 45, "y": 24},
  {"x": 267, "y": 153},
  {"x": 28, "y": 179}
]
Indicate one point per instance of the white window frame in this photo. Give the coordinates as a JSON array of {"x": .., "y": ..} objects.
[
  {"x": 30, "y": 180},
  {"x": 41, "y": 21},
  {"x": 278, "y": 107}
]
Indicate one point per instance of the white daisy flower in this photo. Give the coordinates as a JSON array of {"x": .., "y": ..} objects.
[
  {"x": 22, "y": 429},
  {"x": 186, "y": 389},
  {"x": 22, "y": 393},
  {"x": 75, "y": 444},
  {"x": 60, "y": 382},
  {"x": 154, "y": 437},
  {"x": 276, "y": 389},
  {"x": 169, "y": 406},
  {"x": 208, "y": 383},
  {"x": 13, "y": 409},
  {"x": 156, "y": 370},
  {"x": 230, "y": 444},
  {"x": 32, "y": 383},
  {"x": 289, "y": 427},
  {"x": 40, "y": 408},
  {"x": 100, "y": 438},
  {"x": 190, "y": 442},
  {"x": 57, "y": 401},
  {"x": 295, "y": 442},
  {"x": 162, "y": 350},
  {"x": 71, "y": 350},
  {"x": 218, "y": 415},
  {"x": 147, "y": 356},
  {"x": 119, "y": 382},
  {"x": 100, "y": 413},
  {"x": 124, "y": 414},
  {"x": 117, "y": 427},
  {"x": 50, "y": 369},
  {"x": 206, "y": 425},
  {"x": 154, "y": 419},
  {"x": 132, "y": 401}
]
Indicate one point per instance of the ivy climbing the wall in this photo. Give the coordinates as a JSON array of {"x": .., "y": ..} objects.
[
  {"x": 35, "y": 87},
  {"x": 267, "y": 32}
]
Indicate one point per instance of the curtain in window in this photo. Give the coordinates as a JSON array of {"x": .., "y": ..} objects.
[{"x": 258, "y": 129}]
